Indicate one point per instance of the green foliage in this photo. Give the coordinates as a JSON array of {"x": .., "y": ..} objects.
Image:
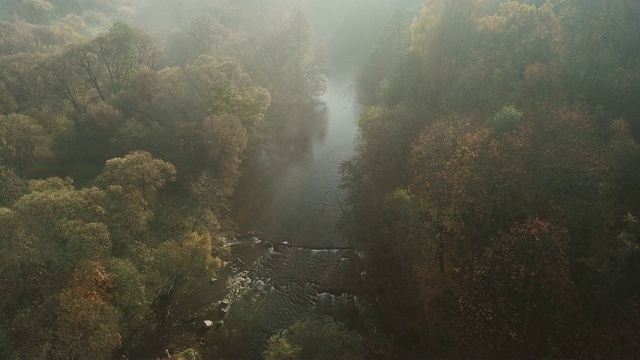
[
  {"x": 505, "y": 119},
  {"x": 316, "y": 339},
  {"x": 132, "y": 299},
  {"x": 89, "y": 262},
  {"x": 116, "y": 51},
  {"x": 96, "y": 126},
  {"x": 12, "y": 187},
  {"x": 278, "y": 348},
  {"x": 23, "y": 76},
  {"x": 87, "y": 241},
  {"x": 22, "y": 141},
  {"x": 6, "y": 350},
  {"x": 187, "y": 354},
  {"x": 228, "y": 90},
  {"x": 189, "y": 257},
  {"x": 8, "y": 103},
  {"x": 175, "y": 99},
  {"x": 138, "y": 173},
  {"x": 58, "y": 242}
]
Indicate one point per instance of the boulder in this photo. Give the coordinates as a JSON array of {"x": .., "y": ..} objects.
[{"x": 208, "y": 324}]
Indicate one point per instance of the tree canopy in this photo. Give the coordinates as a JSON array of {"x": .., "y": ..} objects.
[{"x": 493, "y": 176}]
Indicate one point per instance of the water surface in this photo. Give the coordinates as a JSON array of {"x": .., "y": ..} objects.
[{"x": 294, "y": 193}]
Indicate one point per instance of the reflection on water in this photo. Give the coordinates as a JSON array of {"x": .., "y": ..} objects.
[{"x": 293, "y": 194}]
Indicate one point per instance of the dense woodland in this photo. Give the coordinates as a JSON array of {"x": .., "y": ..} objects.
[
  {"x": 496, "y": 183},
  {"x": 120, "y": 149},
  {"x": 494, "y": 190}
]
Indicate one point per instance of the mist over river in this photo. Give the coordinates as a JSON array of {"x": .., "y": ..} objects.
[{"x": 294, "y": 194}]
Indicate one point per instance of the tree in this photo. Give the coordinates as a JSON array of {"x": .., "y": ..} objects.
[
  {"x": 316, "y": 339},
  {"x": 224, "y": 139},
  {"x": 495, "y": 196},
  {"x": 22, "y": 141},
  {"x": 206, "y": 36},
  {"x": 12, "y": 186},
  {"x": 97, "y": 126},
  {"x": 118, "y": 54},
  {"x": 278, "y": 348},
  {"x": 520, "y": 290},
  {"x": 443, "y": 36},
  {"x": 189, "y": 257},
  {"x": 148, "y": 51},
  {"x": 8, "y": 103},
  {"x": 176, "y": 100},
  {"x": 49, "y": 234},
  {"x": 227, "y": 89},
  {"x": 35, "y": 11},
  {"x": 65, "y": 81},
  {"x": 286, "y": 62},
  {"x": 131, "y": 297},
  {"x": 526, "y": 44},
  {"x": 25, "y": 77},
  {"x": 137, "y": 100},
  {"x": 63, "y": 226},
  {"x": 87, "y": 324},
  {"x": 84, "y": 56},
  {"x": 139, "y": 173}
]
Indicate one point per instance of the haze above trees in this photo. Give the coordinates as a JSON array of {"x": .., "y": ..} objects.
[
  {"x": 495, "y": 185},
  {"x": 494, "y": 190}
]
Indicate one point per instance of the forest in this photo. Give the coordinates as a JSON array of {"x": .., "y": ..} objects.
[
  {"x": 493, "y": 192},
  {"x": 495, "y": 185}
]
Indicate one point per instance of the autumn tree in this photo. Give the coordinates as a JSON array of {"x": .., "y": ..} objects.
[
  {"x": 502, "y": 150},
  {"x": 521, "y": 289},
  {"x": 87, "y": 324},
  {"x": 22, "y": 141},
  {"x": 138, "y": 173},
  {"x": 227, "y": 89},
  {"x": 88, "y": 262}
]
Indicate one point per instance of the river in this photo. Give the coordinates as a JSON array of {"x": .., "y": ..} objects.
[
  {"x": 294, "y": 194},
  {"x": 291, "y": 194}
]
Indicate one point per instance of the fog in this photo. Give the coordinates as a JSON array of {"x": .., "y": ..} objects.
[{"x": 319, "y": 179}]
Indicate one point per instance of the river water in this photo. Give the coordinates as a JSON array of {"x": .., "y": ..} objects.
[{"x": 294, "y": 194}]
